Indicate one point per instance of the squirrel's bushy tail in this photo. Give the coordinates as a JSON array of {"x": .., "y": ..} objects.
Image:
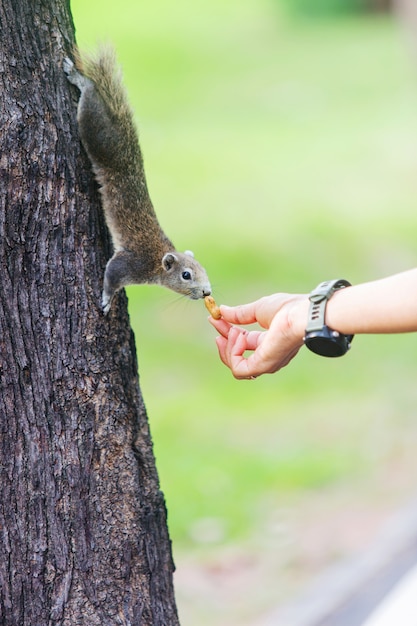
[
  {"x": 107, "y": 123},
  {"x": 103, "y": 70}
]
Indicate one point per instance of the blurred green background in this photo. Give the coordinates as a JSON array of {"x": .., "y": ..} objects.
[{"x": 282, "y": 150}]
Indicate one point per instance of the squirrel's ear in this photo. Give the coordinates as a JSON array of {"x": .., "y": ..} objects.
[
  {"x": 168, "y": 261},
  {"x": 189, "y": 253}
]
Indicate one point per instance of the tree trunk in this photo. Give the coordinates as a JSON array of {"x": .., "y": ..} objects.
[{"x": 83, "y": 537}]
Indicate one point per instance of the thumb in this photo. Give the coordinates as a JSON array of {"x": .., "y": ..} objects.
[{"x": 242, "y": 314}]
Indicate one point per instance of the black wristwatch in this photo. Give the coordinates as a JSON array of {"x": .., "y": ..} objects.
[{"x": 319, "y": 338}]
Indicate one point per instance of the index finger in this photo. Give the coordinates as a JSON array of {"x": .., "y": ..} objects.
[{"x": 221, "y": 326}]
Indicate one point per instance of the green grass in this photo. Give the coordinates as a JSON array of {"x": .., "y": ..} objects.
[{"x": 283, "y": 153}]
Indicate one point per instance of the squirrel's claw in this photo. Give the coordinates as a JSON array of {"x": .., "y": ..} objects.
[
  {"x": 105, "y": 303},
  {"x": 68, "y": 66}
]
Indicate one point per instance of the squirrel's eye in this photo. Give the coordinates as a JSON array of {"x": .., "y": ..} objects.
[{"x": 186, "y": 275}]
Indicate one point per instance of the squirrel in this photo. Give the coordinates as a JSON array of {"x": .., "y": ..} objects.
[{"x": 142, "y": 251}]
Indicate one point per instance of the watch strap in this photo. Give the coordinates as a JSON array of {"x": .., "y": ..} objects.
[
  {"x": 318, "y": 302},
  {"x": 319, "y": 338}
]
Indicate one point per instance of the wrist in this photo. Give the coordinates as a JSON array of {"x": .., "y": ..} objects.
[{"x": 335, "y": 310}]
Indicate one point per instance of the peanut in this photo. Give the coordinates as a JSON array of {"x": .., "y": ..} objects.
[{"x": 212, "y": 307}]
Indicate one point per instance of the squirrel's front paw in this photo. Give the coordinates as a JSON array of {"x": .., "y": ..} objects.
[
  {"x": 105, "y": 302},
  {"x": 106, "y": 306}
]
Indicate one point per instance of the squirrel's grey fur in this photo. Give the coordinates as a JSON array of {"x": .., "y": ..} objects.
[{"x": 142, "y": 251}]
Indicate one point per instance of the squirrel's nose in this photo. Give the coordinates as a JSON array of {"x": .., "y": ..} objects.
[{"x": 206, "y": 291}]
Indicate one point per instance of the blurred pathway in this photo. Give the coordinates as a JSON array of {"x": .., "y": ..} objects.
[
  {"x": 399, "y": 606},
  {"x": 378, "y": 588}
]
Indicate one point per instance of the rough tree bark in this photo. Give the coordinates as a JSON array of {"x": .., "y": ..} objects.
[{"x": 83, "y": 537}]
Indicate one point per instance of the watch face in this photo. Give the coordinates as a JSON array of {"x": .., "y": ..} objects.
[{"x": 327, "y": 343}]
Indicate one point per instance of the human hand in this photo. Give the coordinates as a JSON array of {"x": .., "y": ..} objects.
[{"x": 284, "y": 317}]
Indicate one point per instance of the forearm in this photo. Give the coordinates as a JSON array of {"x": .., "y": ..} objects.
[{"x": 383, "y": 306}]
